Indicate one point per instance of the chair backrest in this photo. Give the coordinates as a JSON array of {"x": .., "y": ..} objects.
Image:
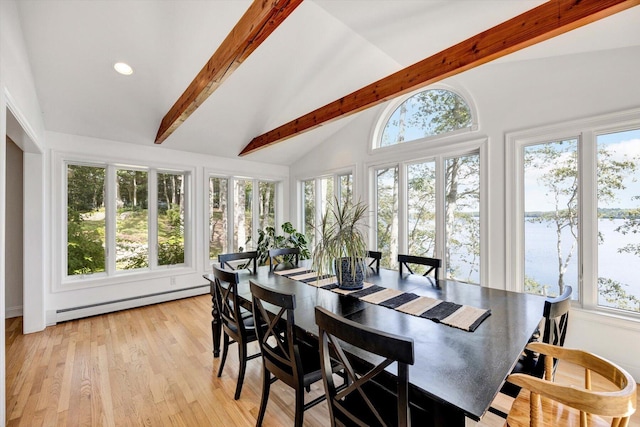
[
  {"x": 374, "y": 258},
  {"x": 434, "y": 264},
  {"x": 226, "y": 294},
  {"x": 556, "y": 318},
  {"x": 619, "y": 403},
  {"x": 277, "y": 339},
  {"x": 289, "y": 253},
  {"x": 333, "y": 330},
  {"x": 251, "y": 256}
]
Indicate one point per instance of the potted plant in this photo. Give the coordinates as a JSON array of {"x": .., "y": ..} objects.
[
  {"x": 342, "y": 245},
  {"x": 290, "y": 239}
]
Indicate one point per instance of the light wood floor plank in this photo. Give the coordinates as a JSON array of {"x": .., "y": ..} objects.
[{"x": 150, "y": 366}]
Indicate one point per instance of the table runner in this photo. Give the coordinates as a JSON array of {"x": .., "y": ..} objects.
[{"x": 458, "y": 316}]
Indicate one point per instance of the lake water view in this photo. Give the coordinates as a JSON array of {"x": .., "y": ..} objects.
[{"x": 541, "y": 262}]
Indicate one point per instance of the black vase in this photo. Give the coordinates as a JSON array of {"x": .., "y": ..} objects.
[{"x": 346, "y": 279}]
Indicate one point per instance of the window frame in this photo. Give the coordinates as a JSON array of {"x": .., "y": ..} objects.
[
  {"x": 378, "y": 130},
  {"x": 336, "y": 175},
  {"x": 255, "y": 198},
  {"x": 586, "y": 130},
  {"x": 438, "y": 153},
  {"x": 62, "y": 281}
]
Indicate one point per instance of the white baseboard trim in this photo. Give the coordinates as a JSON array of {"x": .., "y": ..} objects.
[
  {"x": 124, "y": 304},
  {"x": 11, "y": 312}
]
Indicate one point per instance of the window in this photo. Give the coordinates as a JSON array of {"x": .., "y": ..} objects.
[
  {"x": 447, "y": 225},
  {"x": 551, "y": 217},
  {"x": 309, "y": 209},
  {"x": 577, "y": 211},
  {"x": 218, "y": 235},
  {"x": 132, "y": 220},
  {"x": 387, "y": 215},
  {"x": 462, "y": 217},
  {"x": 86, "y": 224},
  {"x": 170, "y": 218},
  {"x": 428, "y": 113},
  {"x": 108, "y": 212},
  {"x": 266, "y": 203},
  {"x": 430, "y": 207},
  {"x": 317, "y": 194},
  {"x": 242, "y": 214},
  {"x": 618, "y": 191},
  {"x": 238, "y": 208}
]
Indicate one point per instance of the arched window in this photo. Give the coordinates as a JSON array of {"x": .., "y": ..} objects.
[{"x": 427, "y": 113}]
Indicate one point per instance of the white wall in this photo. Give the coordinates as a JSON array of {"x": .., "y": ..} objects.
[
  {"x": 18, "y": 92},
  {"x": 512, "y": 96}
]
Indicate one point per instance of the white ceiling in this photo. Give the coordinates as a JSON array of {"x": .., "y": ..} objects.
[{"x": 325, "y": 49}]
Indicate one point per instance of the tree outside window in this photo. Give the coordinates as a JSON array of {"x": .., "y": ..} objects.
[{"x": 85, "y": 219}]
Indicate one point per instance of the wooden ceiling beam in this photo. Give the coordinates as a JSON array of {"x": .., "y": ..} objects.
[
  {"x": 538, "y": 24},
  {"x": 259, "y": 21}
]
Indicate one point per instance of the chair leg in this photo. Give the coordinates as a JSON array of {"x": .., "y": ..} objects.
[
  {"x": 242, "y": 358},
  {"x": 266, "y": 385},
  {"x": 299, "y": 406},
  {"x": 225, "y": 349}
]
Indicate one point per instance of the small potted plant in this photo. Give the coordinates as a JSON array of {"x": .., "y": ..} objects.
[{"x": 342, "y": 245}]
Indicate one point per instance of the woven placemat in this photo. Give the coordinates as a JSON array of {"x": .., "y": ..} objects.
[{"x": 458, "y": 316}]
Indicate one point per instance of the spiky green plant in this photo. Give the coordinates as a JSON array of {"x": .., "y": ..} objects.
[{"x": 341, "y": 236}]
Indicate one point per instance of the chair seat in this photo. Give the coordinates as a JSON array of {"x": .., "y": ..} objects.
[
  {"x": 249, "y": 325},
  {"x": 551, "y": 414}
]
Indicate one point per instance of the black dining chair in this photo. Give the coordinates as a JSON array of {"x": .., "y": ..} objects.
[
  {"x": 553, "y": 330},
  {"x": 433, "y": 264},
  {"x": 365, "y": 400},
  {"x": 373, "y": 261},
  {"x": 250, "y": 257},
  {"x": 284, "y": 257},
  {"x": 237, "y": 328},
  {"x": 284, "y": 357}
]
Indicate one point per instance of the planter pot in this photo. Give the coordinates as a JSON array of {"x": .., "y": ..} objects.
[{"x": 346, "y": 279}]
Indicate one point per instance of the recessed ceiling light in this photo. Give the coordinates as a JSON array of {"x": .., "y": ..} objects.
[{"x": 123, "y": 68}]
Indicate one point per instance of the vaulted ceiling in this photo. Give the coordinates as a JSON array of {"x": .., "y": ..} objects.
[{"x": 322, "y": 51}]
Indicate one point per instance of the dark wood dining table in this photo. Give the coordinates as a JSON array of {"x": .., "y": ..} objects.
[{"x": 456, "y": 374}]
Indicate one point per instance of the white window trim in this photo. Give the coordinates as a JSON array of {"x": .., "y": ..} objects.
[
  {"x": 586, "y": 130},
  {"x": 255, "y": 220},
  {"x": 387, "y": 112},
  {"x": 61, "y": 282},
  {"x": 440, "y": 152},
  {"x": 335, "y": 175}
]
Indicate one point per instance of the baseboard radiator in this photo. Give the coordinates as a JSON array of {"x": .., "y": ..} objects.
[{"x": 125, "y": 303}]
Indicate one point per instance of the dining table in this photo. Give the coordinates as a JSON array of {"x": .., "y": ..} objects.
[{"x": 456, "y": 373}]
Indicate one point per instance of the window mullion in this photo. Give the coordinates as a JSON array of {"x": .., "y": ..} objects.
[
  {"x": 110, "y": 220},
  {"x": 153, "y": 218},
  {"x": 588, "y": 217},
  {"x": 440, "y": 214},
  {"x": 255, "y": 208},
  {"x": 403, "y": 238}
]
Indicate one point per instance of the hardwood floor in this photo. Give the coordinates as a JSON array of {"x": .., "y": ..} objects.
[{"x": 150, "y": 366}]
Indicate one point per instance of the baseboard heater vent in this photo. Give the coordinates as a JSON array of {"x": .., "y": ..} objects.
[{"x": 126, "y": 303}]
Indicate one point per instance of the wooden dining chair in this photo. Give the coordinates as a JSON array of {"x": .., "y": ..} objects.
[
  {"x": 553, "y": 330},
  {"x": 284, "y": 357},
  {"x": 543, "y": 402},
  {"x": 365, "y": 401},
  {"x": 433, "y": 264},
  {"x": 250, "y": 257},
  {"x": 237, "y": 328},
  {"x": 289, "y": 257},
  {"x": 373, "y": 261}
]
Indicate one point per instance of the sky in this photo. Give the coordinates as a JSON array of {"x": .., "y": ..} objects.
[{"x": 621, "y": 143}]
